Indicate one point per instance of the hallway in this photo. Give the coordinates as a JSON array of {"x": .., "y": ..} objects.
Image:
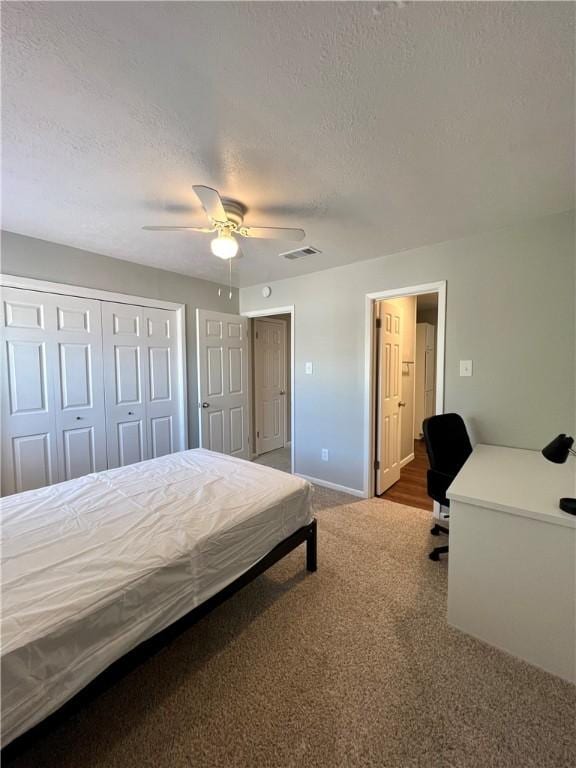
[
  {"x": 278, "y": 459},
  {"x": 411, "y": 488}
]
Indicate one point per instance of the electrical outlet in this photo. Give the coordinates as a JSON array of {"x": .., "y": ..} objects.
[
  {"x": 324, "y": 454},
  {"x": 309, "y": 369},
  {"x": 465, "y": 367}
]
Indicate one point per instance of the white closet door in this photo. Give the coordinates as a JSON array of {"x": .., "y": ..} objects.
[
  {"x": 125, "y": 383},
  {"x": 80, "y": 414},
  {"x": 29, "y": 438},
  {"x": 161, "y": 366}
]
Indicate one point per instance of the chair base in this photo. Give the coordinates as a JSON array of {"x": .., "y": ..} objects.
[
  {"x": 437, "y": 551},
  {"x": 437, "y": 529}
]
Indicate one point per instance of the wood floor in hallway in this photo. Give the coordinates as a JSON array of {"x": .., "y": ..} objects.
[{"x": 411, "y": 488}]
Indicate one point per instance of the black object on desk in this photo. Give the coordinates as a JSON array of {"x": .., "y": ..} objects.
[{"x": 558, "y": 451}]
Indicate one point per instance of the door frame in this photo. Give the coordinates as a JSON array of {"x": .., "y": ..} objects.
[
  {"x": 65, "y": 289},
  {"x": 369, "y": 367},
  {"x": 288, "y": 310}
]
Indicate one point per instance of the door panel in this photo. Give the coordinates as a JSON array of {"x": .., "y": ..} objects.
[
  {"x": 222, "y": 348},
  {"x": 237, "y": 436},
  {"x": 235, "y": 368},
  {"x": 389, "y": 341},
  {"x": 161, "y": 431},
  {"x": 32, "y": 461},
  {"x": 80, "y": 411},
  {"x": 163, "y": 417},
  {"x": 27, "y": 372},
  {"x": 79, "y": 452},
  {"x": 159, "y": 362},
  {"x": 124, "y": 383},
  {"x": 429, "y": 364},
  {"x": 215, "y": 441},
  {"x": 70, "y": 319},
  {"x": 130, "y": 442},
  {"x": 215, "y": 371},
  {"x": 75, "y": 376},
  {"x": 28, "y": 353},
  {"x": 270, "y": 383},
  {"x": 127, "y": 375},
  {"x": 22, "y": 314}
]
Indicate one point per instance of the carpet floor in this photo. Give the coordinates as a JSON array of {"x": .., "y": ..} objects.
[{"x": 351, "y": 666}]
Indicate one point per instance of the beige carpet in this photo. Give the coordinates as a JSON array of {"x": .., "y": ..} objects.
[{"x": 351, "y": 666}]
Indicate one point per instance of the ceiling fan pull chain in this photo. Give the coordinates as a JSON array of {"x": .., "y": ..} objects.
[{"x": 230, "y": 280}]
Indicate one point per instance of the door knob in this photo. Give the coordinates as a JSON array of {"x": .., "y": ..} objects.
[
  {"x": 282, "y": 391},
  {"x": 401, "y": 404},
  {"x": 130, "y": 413},
  {"x": 78, "y": 418},
  {"x": 205, "y": 405}
]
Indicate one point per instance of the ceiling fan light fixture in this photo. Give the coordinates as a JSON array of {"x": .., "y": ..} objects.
[{"x": 224, "y": 246}]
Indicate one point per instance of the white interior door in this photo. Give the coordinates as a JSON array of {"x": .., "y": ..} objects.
[
  {"x": 80, "y": 413},
  {"x": 270, "y": 383},
  {"x": 163, "y": 405},
  {"x": 125, "y": 383},
  {"x": 223, "y": 390},
  {"x": 389, "y": 392},
  {"x": 29, "y": 436}
]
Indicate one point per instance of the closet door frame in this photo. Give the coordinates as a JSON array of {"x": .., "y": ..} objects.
[{"x": 32, "y": 284}]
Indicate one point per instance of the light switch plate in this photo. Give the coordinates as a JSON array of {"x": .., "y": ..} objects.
[
  {"x": 324, "y": 454},
  {"x": 309, "y": 369},
  {"x": 465, "y": 367}
]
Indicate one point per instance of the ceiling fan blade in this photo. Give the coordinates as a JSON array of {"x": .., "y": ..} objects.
[
  {"x": 180, "y": 229},
  {"x": 275, "y": 233},
  {"x": 211, "y": 202}
]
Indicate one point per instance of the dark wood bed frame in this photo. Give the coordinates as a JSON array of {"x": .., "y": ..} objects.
[{"x": 148, "y": 648}]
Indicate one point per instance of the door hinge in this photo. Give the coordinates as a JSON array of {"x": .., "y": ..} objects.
[
  {"x": 256, "y": 334},
  {"x": 257, "y": 434},
  {"x": 378, "y": 322},
  {"x": 376, "y": 464}
]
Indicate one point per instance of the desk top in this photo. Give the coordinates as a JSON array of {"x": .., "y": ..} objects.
[{"x": 516, "y": 481}]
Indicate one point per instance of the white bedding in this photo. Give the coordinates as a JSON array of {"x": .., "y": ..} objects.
[{"x": 93, "y": 566}]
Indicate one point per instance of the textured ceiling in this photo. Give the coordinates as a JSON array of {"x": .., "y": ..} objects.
[{"x": 375, "y": 126}]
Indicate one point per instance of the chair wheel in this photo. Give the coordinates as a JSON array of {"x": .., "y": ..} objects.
[
  {"x": 435, "y": 531},
  {"x": 434, "y": 556}
]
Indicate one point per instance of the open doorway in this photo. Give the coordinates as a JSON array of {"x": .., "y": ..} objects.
[
  {"x": 406, "y": 367},
  {"x": 271, "y": 363}
]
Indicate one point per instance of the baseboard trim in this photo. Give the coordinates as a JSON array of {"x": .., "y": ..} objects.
[
  {"x": 332, "y": 486},
  {"x": 407, "y": 460}
]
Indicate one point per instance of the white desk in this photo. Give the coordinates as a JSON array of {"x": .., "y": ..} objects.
[{"x": 512, "y": 561}]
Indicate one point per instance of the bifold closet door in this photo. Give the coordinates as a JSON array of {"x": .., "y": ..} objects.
[
  {"x": 163, "y": 404},
  {"x": 141, "y": 383},
  {"x": 80, "y": 414},
  {"x": 124, "y": 383},
  {"x": 52, "y": 397}
]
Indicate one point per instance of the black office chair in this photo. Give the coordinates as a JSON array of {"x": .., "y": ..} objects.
[{"x": 448, "y": 446}]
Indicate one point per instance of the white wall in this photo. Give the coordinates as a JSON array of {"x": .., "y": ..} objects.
[
  {"x": 510, "y": 308},
  {"x": 29, "y": 257}
]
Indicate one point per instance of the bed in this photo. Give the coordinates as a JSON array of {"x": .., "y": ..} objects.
[{"x": 94, "y": 566}]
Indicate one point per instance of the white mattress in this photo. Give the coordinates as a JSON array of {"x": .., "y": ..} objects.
[{"x": 93, "y": 566}]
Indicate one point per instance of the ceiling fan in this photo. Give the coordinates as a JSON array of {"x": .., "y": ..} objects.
[{"x": 227, "y": 220}]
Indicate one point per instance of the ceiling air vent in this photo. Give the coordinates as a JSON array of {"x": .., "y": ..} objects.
[{"x": 300, "y": 253}]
